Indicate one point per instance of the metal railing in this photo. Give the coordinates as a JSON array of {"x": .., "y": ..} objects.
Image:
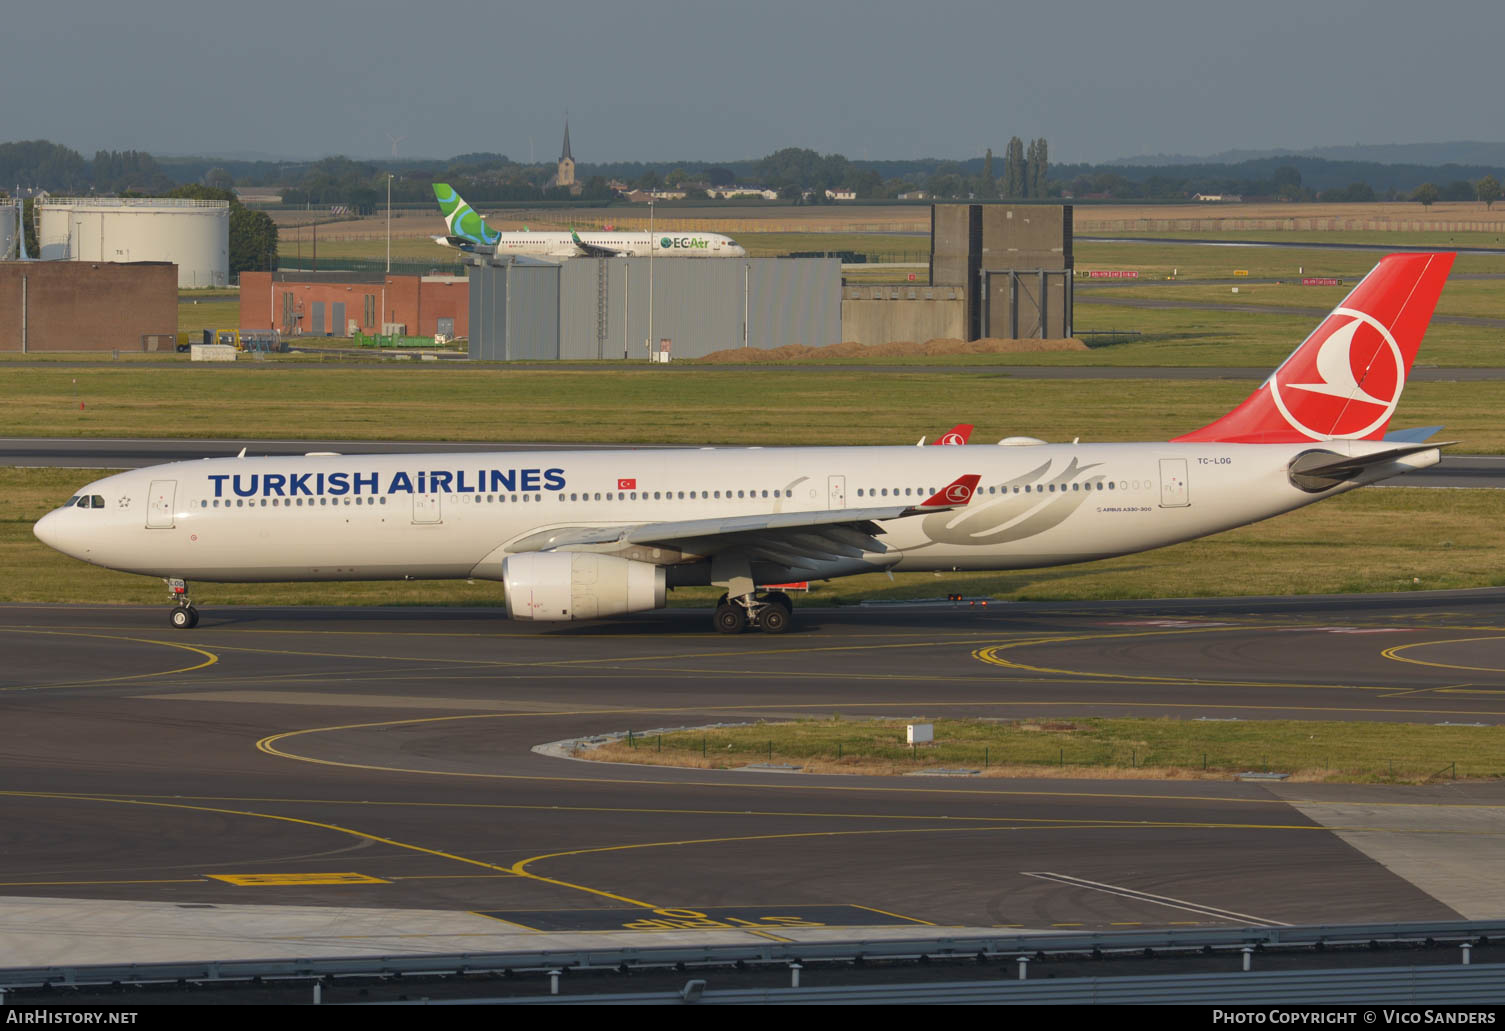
[{"x": 995, "y": 947}]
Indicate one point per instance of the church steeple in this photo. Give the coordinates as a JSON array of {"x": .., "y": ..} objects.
[{"x": 566, "y": 174}]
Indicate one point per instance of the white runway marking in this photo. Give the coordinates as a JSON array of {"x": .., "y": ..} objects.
[{"x": 1158, "y": 900}]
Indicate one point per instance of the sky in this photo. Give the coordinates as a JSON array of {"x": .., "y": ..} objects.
[{"x": 657, "y": 80}]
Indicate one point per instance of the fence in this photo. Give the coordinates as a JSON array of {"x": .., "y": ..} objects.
[
  {"x": 291, "y": 263},
  {"x": 1084, "y": 225}
]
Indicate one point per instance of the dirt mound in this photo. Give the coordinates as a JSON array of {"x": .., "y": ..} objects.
[{"x": 898, "y": 349}]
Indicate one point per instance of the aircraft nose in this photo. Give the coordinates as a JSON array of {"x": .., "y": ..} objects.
[{"x": 50, "y": 530}]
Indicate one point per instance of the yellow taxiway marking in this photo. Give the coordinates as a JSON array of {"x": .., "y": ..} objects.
[
  {"x": 336, "y": 828},
  {"x": 1395, "y": 653},
  {"x": 991, "y": 656},
  {"x": 75, "y": 884},
  {"x": 285, "y": 880},
  {"x": 272, "y": 744},
  {"x": 503, "y": 806},
  {"x": 210, "y": 658}
]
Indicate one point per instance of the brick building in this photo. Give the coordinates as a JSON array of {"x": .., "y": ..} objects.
[
  {"x": 330, "y": 303},
  {"x": 87, "y": 306}
]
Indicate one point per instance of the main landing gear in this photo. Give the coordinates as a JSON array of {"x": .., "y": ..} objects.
[
  {"x": 184, "y": 616},
  {"x": 772, "y": 613}
]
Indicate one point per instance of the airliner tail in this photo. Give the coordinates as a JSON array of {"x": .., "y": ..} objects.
[{"x": 1345, "y": 379}]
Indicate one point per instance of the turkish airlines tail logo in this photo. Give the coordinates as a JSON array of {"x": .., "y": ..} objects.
[
  {"x": 1346, "y": 378},
  {"x": 958, "y": 434},
  {"x": 957, "y": 492}
]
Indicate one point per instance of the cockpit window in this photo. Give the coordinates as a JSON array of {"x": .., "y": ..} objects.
[
  {"x": 99, "y": 502},
  {"x": 71, "y": 501}
]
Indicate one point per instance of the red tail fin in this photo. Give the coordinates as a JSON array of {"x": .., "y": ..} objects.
[
  {"x": 1345, "y": 379},
  {"x": 957, "y": 434}
]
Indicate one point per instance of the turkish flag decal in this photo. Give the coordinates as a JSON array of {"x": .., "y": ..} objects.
[{"x": 627, "y": 484}]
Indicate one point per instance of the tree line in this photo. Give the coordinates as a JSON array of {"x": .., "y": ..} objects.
[{"x": 799, "y": 175}]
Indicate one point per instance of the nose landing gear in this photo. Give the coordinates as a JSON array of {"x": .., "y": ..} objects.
[{"x": 184, "y": 616}]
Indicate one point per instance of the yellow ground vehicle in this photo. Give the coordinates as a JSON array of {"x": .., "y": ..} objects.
[{"x": 241, "y": 340}]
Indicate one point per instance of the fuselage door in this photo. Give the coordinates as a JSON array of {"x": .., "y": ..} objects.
[
  {"x": 159, "y": 508},
  {"x": 837, "y": 488},
  {"x": 1173, "y": 487},
  {"x": 426, "y": 508}
]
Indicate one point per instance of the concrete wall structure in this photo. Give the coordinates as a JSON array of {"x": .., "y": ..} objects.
[
  {"x": 1004, "y": 243},
  {"x": 883, "y": 314},
  {"x": 307, "y": 303},
  {"x": 193, "y": 234},
  {"x": 85, "y": 306},
  {"x": 602, "y": 307}
]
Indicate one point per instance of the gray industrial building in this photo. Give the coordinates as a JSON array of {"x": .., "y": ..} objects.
[
  {"x": 996, "y": 270},
  {"x": 599, "y": 307}
]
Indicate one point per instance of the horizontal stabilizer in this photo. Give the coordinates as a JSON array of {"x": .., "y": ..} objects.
[
  {"x": 1413, "y": 436},
  {"x": 1316, "y": 471}
]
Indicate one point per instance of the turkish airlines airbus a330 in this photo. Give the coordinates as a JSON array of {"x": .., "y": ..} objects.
[{"x": 586, "y": 534}]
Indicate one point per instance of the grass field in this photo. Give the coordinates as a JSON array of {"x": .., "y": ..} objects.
[
  {"x": 1308, "y": 751},
  {"x": 1286, "y": 220},
  {"x": 1480, "y": 298},
  {"x": 641, "y": 404}
]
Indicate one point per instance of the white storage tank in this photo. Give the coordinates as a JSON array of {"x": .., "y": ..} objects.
[{"x": 193, "y": 234}]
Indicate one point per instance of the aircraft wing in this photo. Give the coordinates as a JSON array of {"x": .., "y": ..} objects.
[
  {"x": 788, "y": 538},
  {"x": 592, "y": 250}
]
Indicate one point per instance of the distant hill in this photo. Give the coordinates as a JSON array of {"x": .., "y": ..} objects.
[{"x": 1432, "y": 155}]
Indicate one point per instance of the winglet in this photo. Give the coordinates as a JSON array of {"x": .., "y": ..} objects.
[{"x": 956, "y": 493}]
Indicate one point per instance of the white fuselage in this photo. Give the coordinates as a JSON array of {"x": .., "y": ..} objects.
[
  {"x": 627, "y": 245},
  {"x": 444, "y": 516}
]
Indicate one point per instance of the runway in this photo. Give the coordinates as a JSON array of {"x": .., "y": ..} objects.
[{"x": 313, "y": 767}]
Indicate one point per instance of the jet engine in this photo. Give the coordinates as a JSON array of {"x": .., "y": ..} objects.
[{"x": 562, "y": 585}]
